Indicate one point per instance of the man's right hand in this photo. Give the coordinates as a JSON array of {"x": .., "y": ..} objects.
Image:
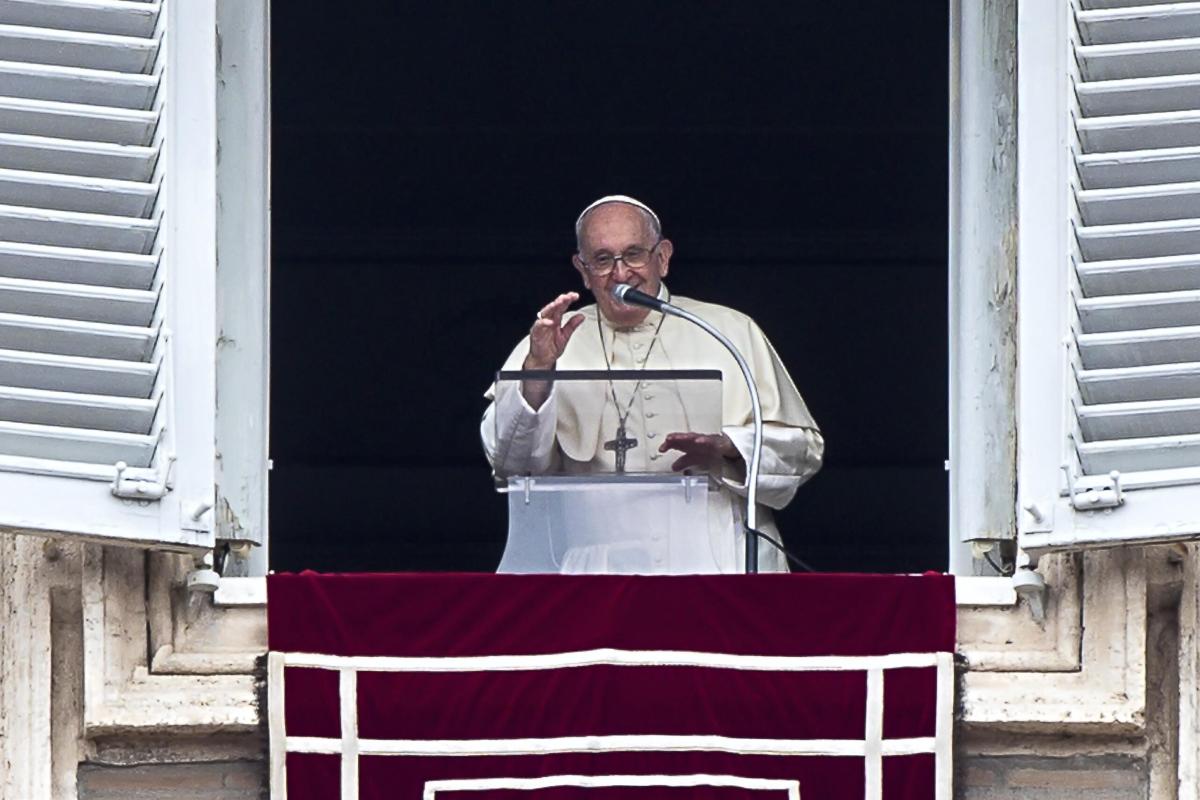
[
  {"x": 547, "y": 340},
  {"x": 549, "y": 335}
]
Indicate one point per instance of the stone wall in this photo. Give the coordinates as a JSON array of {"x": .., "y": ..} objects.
[
  {"x": 216, "y": 780},
  {"x": 1013, "y": 777}
]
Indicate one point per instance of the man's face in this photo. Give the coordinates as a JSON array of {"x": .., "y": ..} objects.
[{"x": 616, "y": 229}]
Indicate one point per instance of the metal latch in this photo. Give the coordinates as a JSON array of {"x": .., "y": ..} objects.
[
  {"x": 134, "y": 489},
  {"x": 1106, "y": 495}
]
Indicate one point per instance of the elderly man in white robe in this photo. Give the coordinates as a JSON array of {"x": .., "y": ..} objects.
[{"x": 525, "y": 432}]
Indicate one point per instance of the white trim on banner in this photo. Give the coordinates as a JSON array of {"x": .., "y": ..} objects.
[
  {"x": 646, "y": 743},
  {"x": 873, "y": 737},
  {"x": 873, "y": 748},
  {"x": 599, "y": 781},
  {"x": 348, "y": 745},
  {"x": 612, "y": 657}
]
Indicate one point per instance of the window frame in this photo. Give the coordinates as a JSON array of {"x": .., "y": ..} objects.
[
  {"x": 981, "y": 260},
  {"x": 243, "y": 267}
]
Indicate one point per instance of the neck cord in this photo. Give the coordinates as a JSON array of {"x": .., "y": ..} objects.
[{"x": 621, "y": 417}]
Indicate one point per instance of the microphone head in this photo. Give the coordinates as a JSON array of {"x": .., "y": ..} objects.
[{"x": 619, "y": 290}]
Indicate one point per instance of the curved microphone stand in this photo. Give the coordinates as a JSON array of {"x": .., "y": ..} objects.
[{"x": 630, "y": 296}]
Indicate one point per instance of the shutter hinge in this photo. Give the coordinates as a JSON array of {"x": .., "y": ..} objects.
[
  {"x": 134, "y": 489},
  {"x": 1092, "y": 498}
]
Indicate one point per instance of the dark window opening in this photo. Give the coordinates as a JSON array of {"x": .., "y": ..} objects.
[{"x": 428, "y": 164}]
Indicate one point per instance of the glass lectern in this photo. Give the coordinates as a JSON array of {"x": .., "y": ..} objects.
[{"x": 589, "y": 489}]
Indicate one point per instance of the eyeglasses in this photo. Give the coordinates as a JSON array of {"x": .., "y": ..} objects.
[{"x": 634, "y": 257}]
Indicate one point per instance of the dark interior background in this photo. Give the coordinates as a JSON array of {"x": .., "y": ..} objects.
[{"x": 429, "y": 161}]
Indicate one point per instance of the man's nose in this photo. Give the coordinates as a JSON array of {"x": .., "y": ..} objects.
[{"x": 621, "y": 271}]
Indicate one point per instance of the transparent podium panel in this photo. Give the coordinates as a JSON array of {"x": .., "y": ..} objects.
[
  {"x": 647, "y": 524},
  {"x": 600, "y": 422}
]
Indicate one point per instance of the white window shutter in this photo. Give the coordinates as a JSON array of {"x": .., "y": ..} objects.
[
  {"x": 107, "y": 262},
  {"x": 1108, "y": 272}
]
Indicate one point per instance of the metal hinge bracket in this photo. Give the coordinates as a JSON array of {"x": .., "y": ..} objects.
[
  {"x": 1093, "y": 498},
  {"x": 134, "y": 489}
]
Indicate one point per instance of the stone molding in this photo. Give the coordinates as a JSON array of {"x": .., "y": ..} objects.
[
  {"x": 1081, "y": 670},
  {"x": 185, "y": 687}
]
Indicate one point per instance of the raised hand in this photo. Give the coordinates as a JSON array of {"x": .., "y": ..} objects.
[
  {"x": 549, "y": 335},
  {"x": 705, "y": 450}
]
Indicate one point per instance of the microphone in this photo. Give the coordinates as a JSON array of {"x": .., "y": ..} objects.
[{"x": 632, "y": 297}]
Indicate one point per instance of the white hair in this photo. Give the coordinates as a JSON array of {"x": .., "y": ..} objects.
[{"x": 648, "y": 215}]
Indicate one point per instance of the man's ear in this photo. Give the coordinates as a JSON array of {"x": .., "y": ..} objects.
[
  {"x": 665, "y": 251},
  {"x": 583, "y": 271}
]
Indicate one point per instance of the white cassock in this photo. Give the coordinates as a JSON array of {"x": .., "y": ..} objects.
[{"x": 568, "y": 437}]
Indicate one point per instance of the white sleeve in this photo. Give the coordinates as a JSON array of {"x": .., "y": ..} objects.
[
  {"x": 790, "y": 456},
  {"x": 517, "y": 439}
]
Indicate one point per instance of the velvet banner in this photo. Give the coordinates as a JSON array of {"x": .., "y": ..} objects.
[{"x": 544, "y": 687}]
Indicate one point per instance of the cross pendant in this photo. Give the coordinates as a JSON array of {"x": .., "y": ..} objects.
[{"x": 619, "y": 444}]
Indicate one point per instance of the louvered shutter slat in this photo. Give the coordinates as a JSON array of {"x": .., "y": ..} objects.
[
  {"x": 73, "y": 338},
  {"x": 77, "y": 49},
  {"x": 75, "y": 444},
  {"x": 118, "y": 17},
  {"x": 130, "y": 307},
  {"x": 1155, "y": 382},
  {"x": 77, "y": 265},
  {"x": 77, "y": 121},
  {"x": 1137, "y": 275},
  {"x": 1130, "y": 3},
  {"x": 1155, "y": 453},
  {"x": 1139, "y": 95},
  {"x": 75, "y": 229},
  {"x": 1139, "y": 240},
  {"x": 1137, "y": 234},
  {"x": 1140, "y": 24},
  {"x": 75, "y": 193},
  {"x": 1134, "y": 131},
  {"x": 71, "y": 85},
  {"x": 85, "y": 159},
  {"x": 1136, "y": 168},
  {"x": 1139, "y": 348},
  {"x": 1134, "y": 312},
  {"x": 1141, "y": 419},
  {"x": 1122, "y": 204},
  {"x": 71, "y": 410},
  {"x": 98, "y": 376},
  {"x": 1139, "y": 59}
]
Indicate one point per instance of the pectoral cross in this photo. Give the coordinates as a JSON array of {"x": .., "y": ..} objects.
[{"x": 619, "y": 444}]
